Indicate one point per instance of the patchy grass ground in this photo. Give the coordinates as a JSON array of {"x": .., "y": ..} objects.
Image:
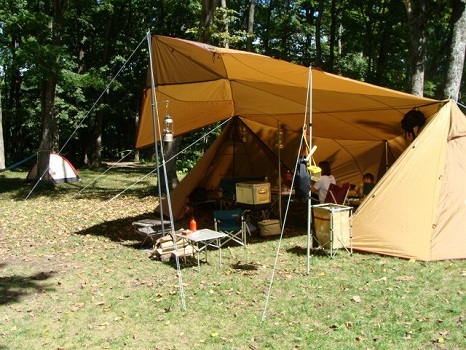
[{"x": 73, "y": 275}]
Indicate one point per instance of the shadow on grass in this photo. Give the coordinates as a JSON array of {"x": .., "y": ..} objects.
[
  {"x": 12, "y": 184},
  {"x": 14, "y": 288},
  {"x": 122, "y": 230},
  {"x": 133, "y": 180},
  {"x": 302, "y": 251}
]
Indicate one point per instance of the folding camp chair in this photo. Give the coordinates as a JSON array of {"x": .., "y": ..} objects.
[
  {"x": 228, "y": 187},
  {"x": 337, "y": 194},
  {"x": 232, "y": 223},
  {"x": 201, "y": 198}
]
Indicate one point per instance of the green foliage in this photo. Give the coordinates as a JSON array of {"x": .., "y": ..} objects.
[
  {"x": 102, "y": 63},
  {"x": 194, "y": 146}
]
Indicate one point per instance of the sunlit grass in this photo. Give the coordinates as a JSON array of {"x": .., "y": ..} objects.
[{"x": 73, "y": 275}]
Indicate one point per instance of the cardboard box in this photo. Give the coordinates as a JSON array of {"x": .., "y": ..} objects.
[
  {"x": 253, "y": 192},
  {"x": 269, "y": 228},
  {"x": 332, "y": 225}
]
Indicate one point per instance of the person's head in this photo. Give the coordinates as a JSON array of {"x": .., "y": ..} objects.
[
  {"x": 325, "y": 166},
  {"x": 368, "y": 178}
]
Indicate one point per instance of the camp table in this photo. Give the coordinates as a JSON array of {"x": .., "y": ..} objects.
[{"x": 202, "y": 239}]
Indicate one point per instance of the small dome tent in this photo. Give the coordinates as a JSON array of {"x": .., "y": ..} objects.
[{"x": 60, "y": 170}]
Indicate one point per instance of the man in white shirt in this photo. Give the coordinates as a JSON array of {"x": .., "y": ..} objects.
[{"x": 326, "y": 178}]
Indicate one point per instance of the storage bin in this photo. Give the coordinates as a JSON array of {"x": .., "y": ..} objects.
[
  {"x": 332, "y": 225},
  {"x": 253, "y": 192},
  {"x": 269, "y": 227}
]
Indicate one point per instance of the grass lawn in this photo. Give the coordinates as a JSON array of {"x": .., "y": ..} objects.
[{"x": 73, "y": 275}]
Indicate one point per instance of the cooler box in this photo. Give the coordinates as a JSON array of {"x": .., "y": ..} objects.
[
  {"x": 332, "y": 225},
  {"x": 253, "y": 192},
  {"x": 269, "y": 228}
]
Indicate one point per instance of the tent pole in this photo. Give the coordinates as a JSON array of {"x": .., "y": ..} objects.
[
  {"x": 309, "y": 201},
  {"x": 386, "y": 155},
  {"x": 156, "y": 127},
  {"x": 279, "y": 145}
]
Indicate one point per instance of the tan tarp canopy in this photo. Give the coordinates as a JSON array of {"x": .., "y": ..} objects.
[{"x": 355, "y": 125}]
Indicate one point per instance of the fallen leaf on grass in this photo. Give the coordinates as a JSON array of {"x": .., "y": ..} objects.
[
  {"x": 356, "y": 298},
  {"x": 405, "y": 278},
  {"x": 77, "y": 306}
]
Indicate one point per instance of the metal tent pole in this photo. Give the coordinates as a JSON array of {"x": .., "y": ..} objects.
[
  {"x": 309, "y": 201},
  {"x": 156, "y": 127}
]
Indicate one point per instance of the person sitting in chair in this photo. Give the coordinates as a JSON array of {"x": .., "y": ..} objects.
[
  {"x": 367, "y": 178},
  {"x": 320, "y": 187}
]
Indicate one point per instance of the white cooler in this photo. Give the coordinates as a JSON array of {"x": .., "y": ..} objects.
[{"x": 253, "y": 192}]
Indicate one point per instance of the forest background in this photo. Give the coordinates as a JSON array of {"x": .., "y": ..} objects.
[{"x": 72, "y": 72}]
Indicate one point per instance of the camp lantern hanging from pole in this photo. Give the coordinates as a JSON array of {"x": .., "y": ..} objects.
[
  {"x": 279, "y": 134},
  {"x": 168, "y": 127},
  {"x": 244, "y": 137}
]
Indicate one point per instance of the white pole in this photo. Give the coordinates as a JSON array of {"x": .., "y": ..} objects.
[
  {"x": 279, "y": 142},
  {"x": 309, "y": 201},
  {"x": 156, "y": 126}
]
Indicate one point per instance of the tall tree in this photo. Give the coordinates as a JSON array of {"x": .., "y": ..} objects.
[
  {"x": 250, "y": 27},
  {"x": 319, "y": 54},
  {"x": 207, "y": 19},
  {"x": 417, "y": 19},
  {"x": 48, "y": 89},
  {"x": 2, "y": 144},
  {"x": 457, "y": 52}
]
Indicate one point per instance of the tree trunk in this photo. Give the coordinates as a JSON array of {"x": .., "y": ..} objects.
[
  {"x": 170, "y": 149},
  {"x": 226, "y": 40},
  {"x": 48, "y": 89},
  {"x": 268, "y": 25},
  {"x": 457, "y": 52},
  {"x": 95, "y": 154},
  {"x": 320, "y": 13},
  {"x": 332, "y": 40},
  {"x": 136, "y": 151},
  {"x": 207, "y": 19},
  {"x": 250, "y": 34},
  {"x": 47, "y": 135},
  {"x": 417, "y": 19},
  {"x": 2, "y": 144}
]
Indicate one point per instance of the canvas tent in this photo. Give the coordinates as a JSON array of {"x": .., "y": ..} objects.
[
  {"x": 238, "y": 152},
  {"x": 60, "y": 170},
  {"x": 418, "y": 209},
  {"x": 355, "y": 125}
]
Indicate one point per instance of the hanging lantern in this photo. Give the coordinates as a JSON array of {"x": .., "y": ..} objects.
[
  {"x": 279, "y": 134},
  {"x": 244, "y": 137},
  {"x": 168, "y": 129}
]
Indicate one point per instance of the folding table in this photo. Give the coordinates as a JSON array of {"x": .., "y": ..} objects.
[{"x": 202, "y": 239}]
